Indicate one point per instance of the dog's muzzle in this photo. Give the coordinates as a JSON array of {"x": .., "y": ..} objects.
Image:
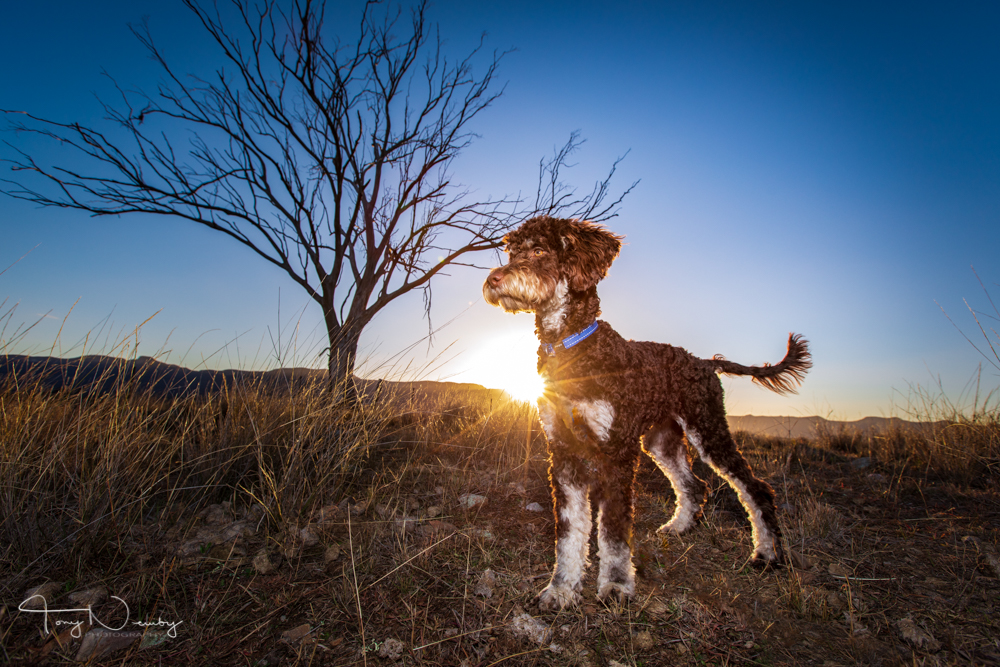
[{"x": 515, "y": 290}]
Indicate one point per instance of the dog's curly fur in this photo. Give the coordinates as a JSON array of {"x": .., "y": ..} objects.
[{"x": 604, "y": 395}]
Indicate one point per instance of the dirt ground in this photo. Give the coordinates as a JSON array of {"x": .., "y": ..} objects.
[{"x": 437, "y": 557}]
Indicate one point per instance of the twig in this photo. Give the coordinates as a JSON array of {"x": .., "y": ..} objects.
[
  {"x": 515, "y": 655},
  {"x": 447, "y": 639},
  {"x": 357, "y": 593},
  {"x": 408, "y": 560}
]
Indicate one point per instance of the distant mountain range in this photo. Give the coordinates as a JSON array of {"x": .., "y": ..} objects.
[
  {"x": 813, "y": 427},
  {"x": 145, "y": 374}
]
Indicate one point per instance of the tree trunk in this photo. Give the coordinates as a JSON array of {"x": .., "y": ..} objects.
[{"x": 343, "y": 354}]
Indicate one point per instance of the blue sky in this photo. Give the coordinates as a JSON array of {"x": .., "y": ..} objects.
[{"x": 831, "y": 171}]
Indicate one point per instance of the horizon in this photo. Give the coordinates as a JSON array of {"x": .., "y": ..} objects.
[
  {"x": 829, "y": 171},
  {"x": 458, "y": 383}
]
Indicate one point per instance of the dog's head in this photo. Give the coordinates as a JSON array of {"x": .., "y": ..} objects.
[{"x": 548, "y": 256}]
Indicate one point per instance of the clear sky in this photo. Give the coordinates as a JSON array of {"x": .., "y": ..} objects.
[{"x": 833, "y": 171}]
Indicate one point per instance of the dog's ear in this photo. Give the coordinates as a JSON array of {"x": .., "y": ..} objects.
[{"x": 588, "y": 251}]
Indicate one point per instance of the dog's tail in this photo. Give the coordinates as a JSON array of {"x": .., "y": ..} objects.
[{"x": 782, "y": 378}]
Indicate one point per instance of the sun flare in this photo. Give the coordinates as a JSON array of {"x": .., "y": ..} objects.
[{"x": 509, "y": 362}]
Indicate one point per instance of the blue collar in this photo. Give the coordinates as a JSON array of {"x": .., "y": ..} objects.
[{"x": 570, "y": 341}]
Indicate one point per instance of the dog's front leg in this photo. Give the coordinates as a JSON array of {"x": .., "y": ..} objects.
[
  {"x": 571, "y": 497},
  {"x": 614, "y": 530}
]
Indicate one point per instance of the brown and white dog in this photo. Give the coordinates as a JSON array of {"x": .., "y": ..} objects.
[{"x": 605, "y": 395}]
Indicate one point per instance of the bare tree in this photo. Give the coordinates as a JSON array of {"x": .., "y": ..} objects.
[{"x": 330, "y": 160}]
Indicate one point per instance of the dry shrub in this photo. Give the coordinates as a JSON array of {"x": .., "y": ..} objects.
[
  {"x": 817, "y": 519},
  {"x": 466, "y": 424},
  {"x": 961, "y": 448}
]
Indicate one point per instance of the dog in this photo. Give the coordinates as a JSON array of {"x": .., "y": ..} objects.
[{"x": 606, "y": 398}]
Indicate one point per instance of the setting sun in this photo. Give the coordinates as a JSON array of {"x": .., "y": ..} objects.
[{"x": 507, "y": 362}]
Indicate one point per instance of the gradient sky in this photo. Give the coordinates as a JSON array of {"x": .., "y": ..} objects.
[{"x": 831, "y": 171}]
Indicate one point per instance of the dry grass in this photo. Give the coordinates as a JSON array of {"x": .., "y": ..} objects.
[
  {"x": 279, "y": 528},
  {"x": 81, "y": 470}
]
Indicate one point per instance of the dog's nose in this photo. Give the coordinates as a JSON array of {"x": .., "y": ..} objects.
[{"x": 496, "y": 276}]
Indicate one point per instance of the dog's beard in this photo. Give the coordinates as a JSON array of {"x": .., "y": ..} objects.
[{"x": 519, "y": 292}]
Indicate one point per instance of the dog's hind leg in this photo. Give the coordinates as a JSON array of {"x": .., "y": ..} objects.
[
  {"x": 717, "y": 448},
  {"x": 664, "y": 443}
]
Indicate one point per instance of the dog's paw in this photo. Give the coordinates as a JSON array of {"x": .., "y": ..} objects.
[
  {"x": 771, "y": 560},
  {"x": 558, "y": 596},
  {"x": 769, "y": 556},
  {"x": 620, "y": 590},
  {"x": 685, "y": 518},
  {"x": 678, "y": 525}
]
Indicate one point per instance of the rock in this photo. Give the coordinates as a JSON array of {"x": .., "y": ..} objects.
[
  {"x": 156, "y": 636},
  {"x": 799, "y": 560},
  {"x": 854, "y": 623},
  {"x": 861, "y": 463},
  {"x": 328, "y": 514},
  {"x": 308, "y": 536},
  {"x": 643, "y": 640},
  {"x": 534, "y": 507},
  {"x": 189, "y": 548},
  {"x": 484, "y": 587},
  {"x": 90, "y": 597},
  {"x": 391, "y": 649},
  {"x": 331, "y": 554},
  {"x": 838, "y": 570},
  {"x": 437, "y": 530},
  {"x": 835, "y": 602},
  {"x": 433, "y": 511},
  {"x": 216, "y": 514},
  {"x": 657, "y": 608},
  {"x": 405, "y": 524},
  {"x": 987, "y": 560},
  {"x": 470, "y": 500},
  {"x": 226, "y": 552},
  {"x": 291, "y": 549},
  {"x": 263, "y": 563},
  {"x": 917, "y": 636},
  {"x": 296, "y": 634},
  {"x": 255, "y": 513},
  {"x": 525, "y": 625},
  {"x": 481, "y": 533},
  {"x": 990, "y": 563},
  {"x": 42, "y": 596},
  {"x": 236, "y": 530},
  {"x": 209, "y": 535},
  {"x": 99, "y": 641}
]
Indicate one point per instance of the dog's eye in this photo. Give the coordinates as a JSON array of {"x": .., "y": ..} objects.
[{"x": 538, "y": 252}]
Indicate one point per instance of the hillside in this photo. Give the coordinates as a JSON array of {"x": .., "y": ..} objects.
[
  {"x": 145, "y": 374},
  {"x": 254, "y": 526}
]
